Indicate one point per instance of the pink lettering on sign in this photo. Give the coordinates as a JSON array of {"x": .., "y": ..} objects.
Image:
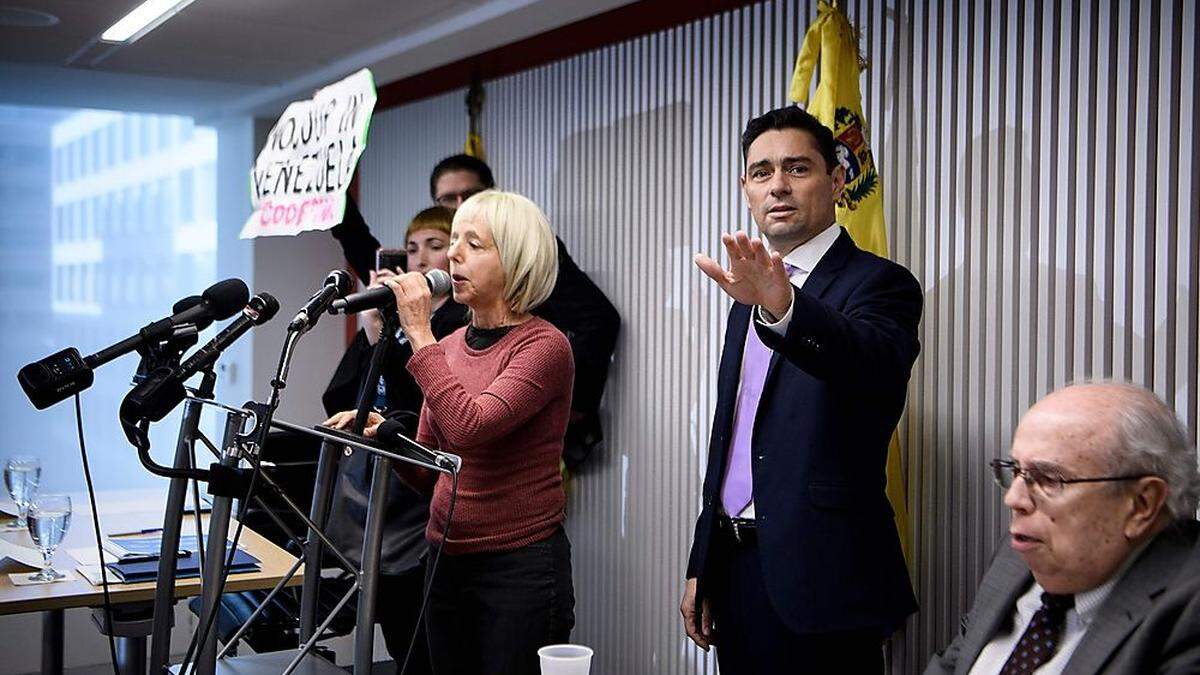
[{"x": 310, "y": 211}]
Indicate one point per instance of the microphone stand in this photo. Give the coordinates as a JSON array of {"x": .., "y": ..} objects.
[
  {"x": 227, "y": 481},
  {"x": 381, "y": 472},
  {"x": 212, "y": 570},
  {"x": 368, "y": 577},
  {"x": 218, "y": 534},
  {"x": 164, "y": 593}
]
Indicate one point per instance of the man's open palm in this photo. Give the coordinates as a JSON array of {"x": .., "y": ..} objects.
[{"x": 755, "y": 276}]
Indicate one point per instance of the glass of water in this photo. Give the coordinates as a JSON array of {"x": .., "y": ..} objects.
[
  {"x": 22, "y": 473},
  {"x": 49, "y": 518}
]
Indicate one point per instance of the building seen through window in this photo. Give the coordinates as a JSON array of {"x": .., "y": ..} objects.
[{"x": 109, "y": 218}]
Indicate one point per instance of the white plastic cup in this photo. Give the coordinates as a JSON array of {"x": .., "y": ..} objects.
[{"x": 565, "y": 659}]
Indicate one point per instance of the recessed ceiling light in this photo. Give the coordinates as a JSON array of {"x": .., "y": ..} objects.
[
  {"x": 23, "y": 17},
  {"x": 143, "y": 19}
]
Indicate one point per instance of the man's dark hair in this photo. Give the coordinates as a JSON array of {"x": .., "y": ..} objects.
[
  {"x": 792, "y": 117},
  {"x": 461, "y": 163}
]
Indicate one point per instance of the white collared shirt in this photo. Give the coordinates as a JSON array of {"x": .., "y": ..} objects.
[
  {"x": 1078, "y": 619},
  {"x": 804, "y": 258},
  {"x": 1075, "y": 624}
]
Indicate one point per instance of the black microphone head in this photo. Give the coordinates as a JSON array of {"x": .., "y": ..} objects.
[
  {"x": 189, "y": 302},
  {"x": 439, "y": 281},
  {"x": 226, "y": 298},
  {"x": 262, "y": 308},
  {"x": 341, "y": 279},
  {"x": 186, "y": 303}
]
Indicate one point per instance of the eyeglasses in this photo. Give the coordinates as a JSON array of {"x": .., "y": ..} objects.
[
  {"x": 452, "y": 200},
  {"x": 1006, "y": 471}
]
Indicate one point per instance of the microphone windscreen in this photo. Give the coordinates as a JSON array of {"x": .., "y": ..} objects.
[
  {"x": 226, "y": 298},
  {"x": 439, "y": 282},
  {"x": 266, "y": 306},
  {"x": 186, "y": 304},
  {"x": 343, "y": 281},
  {"x": 189, "y": 302}
]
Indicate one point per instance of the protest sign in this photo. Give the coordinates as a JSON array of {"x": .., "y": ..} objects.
[{"x": 299, "y": 180}]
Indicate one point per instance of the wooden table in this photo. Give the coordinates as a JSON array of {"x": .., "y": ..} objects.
[{"x": 119, "y": 518}]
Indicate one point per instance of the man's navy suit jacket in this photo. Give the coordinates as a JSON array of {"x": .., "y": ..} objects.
[{"x": 830, "y": 554}]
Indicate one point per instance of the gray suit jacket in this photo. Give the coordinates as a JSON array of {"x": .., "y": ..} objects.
[{"x": 1149, "y": 623}]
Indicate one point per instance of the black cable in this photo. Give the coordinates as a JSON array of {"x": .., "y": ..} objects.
[
  {"x": 433, "y": 570},
  {"x": 87, "y": 477},
  {"x": 197, "y": 644}
]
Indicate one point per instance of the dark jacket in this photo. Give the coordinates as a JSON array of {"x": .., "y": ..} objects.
[
  {"x": 1149, "y": 623},
  {"x": 834, "y": 391}
]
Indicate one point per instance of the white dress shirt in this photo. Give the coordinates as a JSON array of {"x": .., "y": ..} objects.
[
  {"x": 1075, "y": 624},
  {"x": 1078, "y": 619},
  {"x": 804, "y": 258}
]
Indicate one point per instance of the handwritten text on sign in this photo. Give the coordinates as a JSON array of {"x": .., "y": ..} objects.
[{"x": 300, "y": 178}]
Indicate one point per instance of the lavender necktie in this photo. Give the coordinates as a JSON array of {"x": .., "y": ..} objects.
[{"x": 738, "y": 487}]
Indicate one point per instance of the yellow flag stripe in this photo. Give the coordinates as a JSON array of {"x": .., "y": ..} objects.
[{"x": 474, "y": 146}]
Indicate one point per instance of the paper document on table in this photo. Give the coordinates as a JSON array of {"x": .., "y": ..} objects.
[
  {"x": 26, "y": 555},
  {"x": 87, "y": 556},
  {"x": 147, "y": 548},
  {"x": 92, "y": 574}
]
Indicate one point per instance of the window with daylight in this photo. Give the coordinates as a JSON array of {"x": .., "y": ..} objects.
[{"x": 108, "y": 219}]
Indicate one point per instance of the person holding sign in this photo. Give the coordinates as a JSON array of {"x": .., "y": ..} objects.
[
  {"x": 403, "y": 551},
  {"x": 299, "y": 180},
  {"x": 498, "y": 393}
]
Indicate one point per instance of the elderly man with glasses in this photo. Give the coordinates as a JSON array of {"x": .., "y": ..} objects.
[{"x": 1102, "y": 571}]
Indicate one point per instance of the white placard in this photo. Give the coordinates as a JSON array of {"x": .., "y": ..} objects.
[{"x": 299, "y": 180}]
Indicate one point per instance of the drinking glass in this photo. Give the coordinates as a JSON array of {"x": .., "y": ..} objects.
[
  {"x": 49, "y": 518},
  {"x": 21, "y": 476}
]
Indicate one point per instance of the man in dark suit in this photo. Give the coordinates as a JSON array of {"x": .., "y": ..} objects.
[
  {"x": 577, "y": 307},
  {"x": 796, "y": 562},
  {"x": 1102, "y": 571}
]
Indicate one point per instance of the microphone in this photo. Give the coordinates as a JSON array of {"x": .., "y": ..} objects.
[
  {"x": 391, "y": 435},
  {"x": 182, "y": 338},
  {"x": 67, "y": 372},
  {"x": 335, "y": 286},
  {"x": 189, "y": 304},
  {"x": 382, "y": 297},
  {"x": 261, "y": 309},
  {"x": 159, "y": 393},
  {"x": 219, "y": 301}
]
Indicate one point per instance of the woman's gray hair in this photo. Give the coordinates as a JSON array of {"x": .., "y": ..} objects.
[{"x": 1151, "y": 439}]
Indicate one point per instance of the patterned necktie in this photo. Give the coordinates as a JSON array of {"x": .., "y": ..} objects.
[
  {"x": 1040, "y": 639},
  {"x": 738, "y": 488}
]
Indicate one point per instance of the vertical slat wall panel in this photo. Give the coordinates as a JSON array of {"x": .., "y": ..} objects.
[
  {"x": 1037, "y": 163},
  {"x": 402, "y": 148}
]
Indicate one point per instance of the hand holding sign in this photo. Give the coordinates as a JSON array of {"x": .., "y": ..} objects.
[{"x": 300, "y": 178}]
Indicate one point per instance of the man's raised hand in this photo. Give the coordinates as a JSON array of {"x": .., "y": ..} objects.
[{"x": 755, "y": 276}]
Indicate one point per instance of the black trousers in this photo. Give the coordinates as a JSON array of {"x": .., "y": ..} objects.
[
  {"x": 490, "y": 612},
  {"x": 396, "y": 608},
  {"x": 751, "y": 638}
]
